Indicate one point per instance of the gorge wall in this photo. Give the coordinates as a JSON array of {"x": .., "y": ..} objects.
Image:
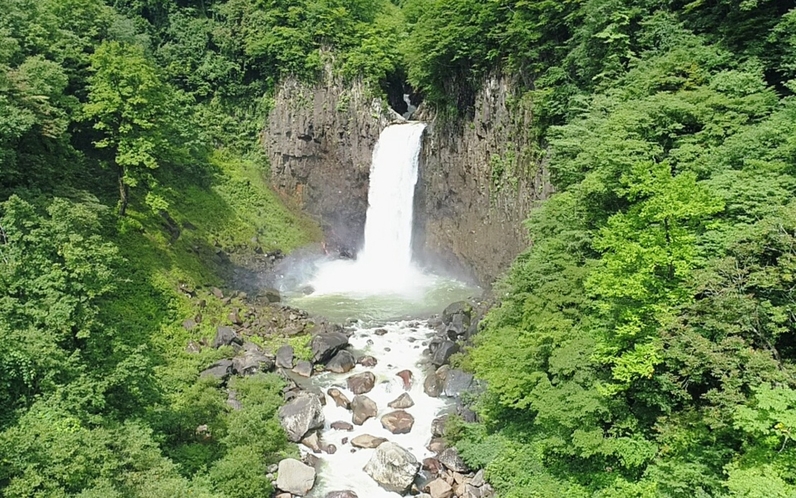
[{"x": 479, "y": 176}]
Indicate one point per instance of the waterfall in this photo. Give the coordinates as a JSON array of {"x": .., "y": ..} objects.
[
  {"x": 384, "y": 264},
  {"x": 393, "y": 175}
]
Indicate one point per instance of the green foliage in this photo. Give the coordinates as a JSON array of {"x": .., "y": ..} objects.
[{"x": 644, "y": 343}]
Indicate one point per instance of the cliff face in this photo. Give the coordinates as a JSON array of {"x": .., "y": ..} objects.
[
  {"x": 478, "y": 179},
  {"x": 319, "y": 140}
]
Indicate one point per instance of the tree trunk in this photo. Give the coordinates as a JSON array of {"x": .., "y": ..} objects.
[{"x": 124, "y": 193}]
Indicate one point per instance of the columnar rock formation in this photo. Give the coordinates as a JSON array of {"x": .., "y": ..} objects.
[{"x": 479, "y": 175}]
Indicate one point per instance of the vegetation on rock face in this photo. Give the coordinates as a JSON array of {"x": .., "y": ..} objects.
[{"x": 645, "y": 342}]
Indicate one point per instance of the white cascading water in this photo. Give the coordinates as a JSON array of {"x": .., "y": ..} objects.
[
  {"x": 384, "y": 266},
  {"x": 382, "y": 275}
]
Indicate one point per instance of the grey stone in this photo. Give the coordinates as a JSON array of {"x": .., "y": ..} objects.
[
  {"x": 392, "y": 467},
  {"x": 362, "y": 409},
  {"x": 301, "y": 415},
  {"x": 361, "y": 383},
  {"x": 339, "y": 398},
  {"x": 367, "y": 441},
  {"x": 252, "y": 362},
  {"x": 341, "y": 494},
  {"x": 284, "y": 357},
  {"x": 220, "y": 370},
  {"x": 303, "y": 368},
  {"x": 226, "y": 336},
  {"x": 295, "y": 477},
  {"x": 342, "y": 362},
  {"x": 341, "y": 425},
  {"x": 450, "y": 458},
  {"x": 402, "y": 401},
  {"x": 324, "y": 346}
]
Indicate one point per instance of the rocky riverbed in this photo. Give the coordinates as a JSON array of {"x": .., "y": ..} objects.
[{"x": 370, "y": 417}]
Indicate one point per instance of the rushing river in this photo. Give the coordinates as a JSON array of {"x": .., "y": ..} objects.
[{"x": 386, "y": 299}]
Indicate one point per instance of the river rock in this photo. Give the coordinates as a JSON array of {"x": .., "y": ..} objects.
[
  {"x": 341, "y": 494},
  {"x": 393, "y": 467},
  {"x": 342, "y": 362},
  {"x": 367, "y": 441},
  {"x": 270, "y": 295},
  {"x": 301, "y": 415},
  {"x": 434, "y": 382},
  {"x": 438, "y": 426},
  {"x": 432, "y": 465},
  {"x": 220, "y": 370},
  {"x": 226, "y": 336},
  {"x": 339, "y": 398},
  {"x": 324, "y": 346},
  {"x": 458, "y": 308},
  {"x": 368, "y": 361},
  {"x": 361, "y": 383},
  {"x": 312, "y": 441},
  {"x": 402, "y": 401},
  {"x": 362, "y": 409},
  {"x": 295, "y": 477},
  {"x": 442, "y": 351},
  {"x": 456, "y": 383},
  {"x": 406, "y": 377},
  {"x": 284, "y": 357},
  {"x": 436, "y": 445},
  {"x": 398, "y": 422},
  {"x": 252, "y": 361},
  {"x": 450, "y": 458},
  {"x": 341, "y": 425},
  {"x": 303, "y": 368},
  {"x": 478, "y": 479},
  {"x": 438, "y": 488}
]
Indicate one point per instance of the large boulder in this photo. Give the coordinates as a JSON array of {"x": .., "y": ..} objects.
[
  {"x": 295, "y": 477},
  {"x": 438, "y": 488},
  {"x": 301, "y": 415},
  {"x": 226, "y": 336},
  {"x": 361, "y": 383},
  {"x": 435, "y": 381},
  {"x": 252, "y": 361},
  {"x": 284, "y": 357},
  {"x": 324, "y": 346},
  {"x": 450, "y": 458},
  {"x": 460, "y": 308},
  {"x": 362, "y": 409},
  {"x": 456, "y": 383},
  {"x": 341, "y": 494},
  {"x": 393, "y": 467},
  {"x": 398, "y": 422},
  {"x": 342, "y": 362},
  {"x": 220, "y": 370},
  {"x": 442, "y": 351}
]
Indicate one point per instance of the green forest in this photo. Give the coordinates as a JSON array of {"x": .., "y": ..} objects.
[{"x": 644, "y": 345}]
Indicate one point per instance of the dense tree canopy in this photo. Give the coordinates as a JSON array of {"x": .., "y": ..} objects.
[{"x": 645, "y": 344}]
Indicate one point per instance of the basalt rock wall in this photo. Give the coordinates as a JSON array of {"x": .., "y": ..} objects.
[{"x": 479, "y": 176}]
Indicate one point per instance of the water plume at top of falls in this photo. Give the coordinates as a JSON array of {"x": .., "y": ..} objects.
[{"x": 385, "y": 263}]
